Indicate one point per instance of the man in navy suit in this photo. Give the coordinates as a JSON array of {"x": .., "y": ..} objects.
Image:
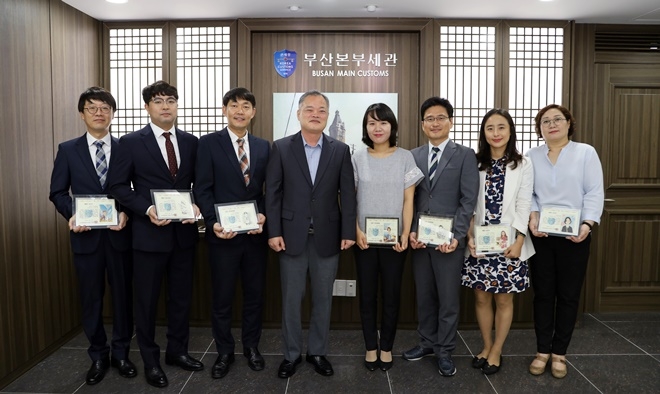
[
  {"x": 450, "y": 189},
  {"x": 231, "y": 168},
  {"x": 311, "y": 210},
  {"x": 97, "y": 252},
  {"x": 159, "y": 156}
]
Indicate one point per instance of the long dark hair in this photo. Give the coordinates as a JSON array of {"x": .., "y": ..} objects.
[{"x": 511, "y": 153}]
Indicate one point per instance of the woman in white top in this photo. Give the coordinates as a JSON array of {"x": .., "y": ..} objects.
[
  {"x": 505, "y": 197},
  {"x": 566, "y": 174},
  {"x": 385, "y": 178}
]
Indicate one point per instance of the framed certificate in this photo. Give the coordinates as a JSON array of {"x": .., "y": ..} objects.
[
  {"x": 97, "y": 211},
  {"x": 560, "y": 221},
  {"x": 175, "y": 205},
  {"x": 382, "y": 231},
  {"x": 239, "y": 217},
  {"x": 493, "y": 238},
  {"x": 434, "y": 230}
]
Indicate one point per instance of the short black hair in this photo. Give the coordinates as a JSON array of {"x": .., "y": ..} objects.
[
  {"x": 379, "y": 111},
  {"x": 159, "y": 88},
  {"x": 96, "y": 93},
  {"x": 433, "y": 101},
  {"x": 238, "y": 93}
]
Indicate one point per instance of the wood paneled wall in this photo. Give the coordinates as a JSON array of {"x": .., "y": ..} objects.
[{"x": 49, "y": 56}]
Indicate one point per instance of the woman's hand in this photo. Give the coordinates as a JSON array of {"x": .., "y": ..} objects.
[
  {"x": 534, "y": 224},
  {"x": 582, "y": 235},
  {"x": 361, "y": 239},
  {"x": 402, "y": 245}
]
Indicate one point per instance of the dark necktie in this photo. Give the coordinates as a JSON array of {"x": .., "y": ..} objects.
[
  {"x": 434, "y": 162},
  {"x": 171, "y": 156},
  {"x": 243, "y": 160},
  {"x": 101, "y": 163}
]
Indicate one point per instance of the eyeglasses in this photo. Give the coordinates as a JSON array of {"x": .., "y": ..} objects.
[
  {"x": 169, "y": 101},
  {"x": 557, "y": 121},
  {"x": 439, "y": 119},
  {"x": 93, "y": 110}
]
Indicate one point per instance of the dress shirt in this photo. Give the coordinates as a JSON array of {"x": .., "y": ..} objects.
[
  {"x": 107, "y": 140},
  {"x": 313, "y": 154},
  {"x": 246, "y": 144},
  {"x": 160, "y": 139},
  {"x": 442, "y": 147}
]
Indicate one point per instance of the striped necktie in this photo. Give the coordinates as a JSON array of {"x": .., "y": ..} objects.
[
  {"x": 434, "y": 162},
  {"x": 101, "y": 163},
  {"x": 243, "y": 160}
]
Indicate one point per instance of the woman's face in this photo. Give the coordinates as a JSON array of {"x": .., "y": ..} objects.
[
  {"x": 567, "y": 221},
  {"x": 379, "y": 131},
  {"x": 497, "y": 131},
  {"x": 555, "y": 128}
]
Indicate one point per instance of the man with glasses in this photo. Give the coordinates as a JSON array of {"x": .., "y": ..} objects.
[
  {"x": 449, "y": 190},
  {"x": 81, "y": 168},
  {"x": 159, "y": 156}
]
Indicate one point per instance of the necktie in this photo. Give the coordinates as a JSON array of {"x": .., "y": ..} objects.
[
  {"x": 434, "y": 162},
  {"x": 101, "y": 163},
  {"x": 243, "y": 161},
  {"x": 171, "y": 156}
]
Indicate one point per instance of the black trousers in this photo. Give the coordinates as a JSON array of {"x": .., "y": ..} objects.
[
  {"x": 557, "y": 273},
  {"x": 384, "y": 265},
  {"x": 247, "y": 259}
]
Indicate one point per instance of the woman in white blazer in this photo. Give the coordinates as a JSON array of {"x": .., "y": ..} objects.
[{"x": 505, "y": 198}]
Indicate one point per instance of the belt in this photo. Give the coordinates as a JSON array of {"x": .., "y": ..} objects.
[{"x": 310, "y": 230}]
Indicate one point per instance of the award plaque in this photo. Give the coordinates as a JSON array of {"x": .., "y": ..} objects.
[
  {"x": 174, "y": 205},
  {"x": 239, "y": 217},
  {"x": 560, "y": 221},
  {"x": 493, "y": 238},
  {"x": 434, "y": 230},
  {"x": 97, "y": 211},
  {"x": 382, "y": 231}
]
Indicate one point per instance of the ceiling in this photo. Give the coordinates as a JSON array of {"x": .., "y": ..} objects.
[{"x": 582, "y": 11}]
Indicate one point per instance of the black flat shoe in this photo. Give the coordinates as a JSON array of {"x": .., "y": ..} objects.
[
  {"x": 478, "y": 362},
  {"x": 491, "y": 369}
]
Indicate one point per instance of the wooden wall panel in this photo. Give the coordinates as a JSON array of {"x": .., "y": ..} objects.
[{"x": 38, "y": 300}]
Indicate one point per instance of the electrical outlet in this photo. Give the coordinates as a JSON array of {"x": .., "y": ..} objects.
[
  {"x": 339, "y": 288},
  {"x": 350, "y": 288}
]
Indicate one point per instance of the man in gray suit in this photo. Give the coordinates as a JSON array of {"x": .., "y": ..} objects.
[
  {"x": 308, "y": 225},
  {"x": 450, "y": 189}
]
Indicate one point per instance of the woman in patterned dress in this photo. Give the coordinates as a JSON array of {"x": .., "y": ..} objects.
[{"x": 505, "y": 195}]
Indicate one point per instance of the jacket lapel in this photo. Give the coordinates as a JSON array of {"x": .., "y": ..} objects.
[
  {"x": 86, "y": 159},
  {"x": 298, "y": 151},
  {"x": 150, "y": 144},
  {"x": 446, "y": 155},
  {"x": 327, "y": 151}
]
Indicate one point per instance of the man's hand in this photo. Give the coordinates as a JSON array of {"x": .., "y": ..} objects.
[
  {"x": 261, "y": 219},
  {"x": 219, "y": 232},
  {"x": 196, "y": 212},
  {"x": 77, "y": 229},
  {"x": 123, "y": 219},
  {"x": 154, "y": 217},
  {"x": 346, "y": 243},
  {"x": 277, "y": 244}
]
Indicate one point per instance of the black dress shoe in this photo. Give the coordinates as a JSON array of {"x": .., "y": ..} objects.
[
  {"x": 184, "y": 362},
  {"x": 416, "y": 353},
  {"x": 321, "y": 365},
  {"x": 97, "y": 371},
  {"x": 221, "y": 366},
  {"x": 491, "y": 369},
  {"x": 255, "y": 359},
  {"x": 125, "y": 367},
  {"x": 155, "y": 377},
  {"x": 478, "y": 362},
  {"x": 288, "y": 368}
]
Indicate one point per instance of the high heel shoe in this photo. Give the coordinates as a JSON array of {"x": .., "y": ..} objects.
[
  {"x": 558, "y": 368},
  {"x": 539, "y": 369},
  {"x": 372, "y": 365},
  {"x": 385, "y": 365},
  {"x": 489, "y": 369}
]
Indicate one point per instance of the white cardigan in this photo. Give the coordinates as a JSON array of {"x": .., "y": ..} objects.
[{"x": 516, "y": 202}]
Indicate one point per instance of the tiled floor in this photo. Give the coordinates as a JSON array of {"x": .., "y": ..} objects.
[{"x": 610, "y": 353}]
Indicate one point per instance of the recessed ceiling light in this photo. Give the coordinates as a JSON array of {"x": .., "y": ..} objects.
[
  {"x": 371, "y": 8},
  {"x": 294, "y": 8},
  {"x": 117, "y": 1}
]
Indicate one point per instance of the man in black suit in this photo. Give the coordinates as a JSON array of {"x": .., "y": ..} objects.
[
  {"x": 311, "y": 210},
  {"x": 81, "y": 168},
  {"x": 159, "y": 156},
  {"x": 231, "y": 168}
]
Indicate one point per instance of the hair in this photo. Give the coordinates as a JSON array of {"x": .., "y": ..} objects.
[
  {"x": 569, "y": 220},
  {"x": 379, "y": 111},
  {"x": 236, "y": 94},
  {"x": 511, "y": 153},
  {"x": 96, "y": 93},
  {"x": 567, "y": 114},
  {"x": 434, "y": 101},
  {"x": 159, "y": 88},
  {"x": 313, "y": 93}
]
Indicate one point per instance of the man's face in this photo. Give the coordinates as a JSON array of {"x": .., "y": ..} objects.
[
  {"x": 162, "y": 111},
  {"x": 239, "y": 114},
  {"x": 313, "y": 114},
  {"x": 97, "y": 116},
  {"x": 436, "y": 124}
]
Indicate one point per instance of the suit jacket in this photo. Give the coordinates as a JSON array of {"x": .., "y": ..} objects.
[
  {"x": 75, "y": 171},
  {"x": 453, "y": 191},
  {"x": 138, "y": 161},
  {"x": 219, "y": 179},
  {"x": 516, "y": 201},
  {"x": 292, "y": 201}
]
